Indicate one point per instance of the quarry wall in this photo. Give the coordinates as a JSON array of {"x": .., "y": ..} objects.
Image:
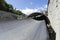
[{"x": 54, "y": 16}]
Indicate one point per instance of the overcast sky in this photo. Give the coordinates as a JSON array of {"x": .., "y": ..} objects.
[{"x": 29, "y": 6}]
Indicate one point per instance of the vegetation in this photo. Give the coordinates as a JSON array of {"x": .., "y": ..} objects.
[
  {"x": 9, "y": 8},
  {"x": 35, "y": 14}
]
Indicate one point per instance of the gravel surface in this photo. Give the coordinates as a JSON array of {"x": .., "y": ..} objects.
[{"x": 27, "y": 29}]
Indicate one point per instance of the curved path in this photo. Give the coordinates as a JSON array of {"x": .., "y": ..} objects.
[{"x": 27, "y": 29}]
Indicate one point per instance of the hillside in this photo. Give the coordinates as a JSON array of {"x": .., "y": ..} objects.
[{"x": 9, "y": 8}]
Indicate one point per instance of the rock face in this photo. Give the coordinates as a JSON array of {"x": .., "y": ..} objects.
[
  {"x": 54, "y": 16},
  {"x": 6, "y": 16}
]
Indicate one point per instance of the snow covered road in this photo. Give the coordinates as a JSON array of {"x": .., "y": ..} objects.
[{"x": 27, "y": 29}]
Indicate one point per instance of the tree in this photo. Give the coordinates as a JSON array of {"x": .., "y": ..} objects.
[
  {"x": 35, "y": 14},
  {"x": 9, "y": 8}
]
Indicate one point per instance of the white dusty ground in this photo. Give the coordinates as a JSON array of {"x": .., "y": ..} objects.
[{"x": 27, "y": 29}]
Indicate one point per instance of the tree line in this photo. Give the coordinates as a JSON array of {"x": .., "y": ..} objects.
[{"x": 9, "y": 8}]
